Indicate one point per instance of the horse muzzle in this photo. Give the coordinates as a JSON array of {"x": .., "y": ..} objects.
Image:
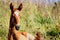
[{"x": 17, "y": 27}]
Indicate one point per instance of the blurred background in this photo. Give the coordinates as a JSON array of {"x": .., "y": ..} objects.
[{"x": 36, "y": 15}]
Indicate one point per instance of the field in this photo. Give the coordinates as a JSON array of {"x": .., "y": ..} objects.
[{"x": 34, "y": 18}]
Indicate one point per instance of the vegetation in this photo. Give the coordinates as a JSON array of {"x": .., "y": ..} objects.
[{"x": 33, "y": 19}]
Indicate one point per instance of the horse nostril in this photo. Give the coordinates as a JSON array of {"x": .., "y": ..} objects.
[{"x": 17, "y": 27}]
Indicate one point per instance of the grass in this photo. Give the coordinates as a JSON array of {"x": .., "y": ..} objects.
[{"x": 32, "y": 20}]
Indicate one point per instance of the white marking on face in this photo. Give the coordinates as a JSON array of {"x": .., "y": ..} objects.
[
  {"x": 18, "y": 24},
  {"x": 16, "y": 13}
]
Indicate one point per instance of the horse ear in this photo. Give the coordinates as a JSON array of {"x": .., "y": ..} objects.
[
  {"x": 20, "y": 7},
  {"x": 11, "y": 6}
]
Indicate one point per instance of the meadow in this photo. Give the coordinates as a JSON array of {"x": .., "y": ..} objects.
[{"x": 34, "y": 18}]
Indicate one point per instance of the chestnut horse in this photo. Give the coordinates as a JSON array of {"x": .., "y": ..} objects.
[{"x": 14, "y": 34}]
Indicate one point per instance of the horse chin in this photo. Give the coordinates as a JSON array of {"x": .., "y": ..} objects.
[{"x": 17, "y": 27}]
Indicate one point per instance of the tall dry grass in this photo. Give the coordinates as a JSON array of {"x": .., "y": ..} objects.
[{"x": 33, "y": 19}]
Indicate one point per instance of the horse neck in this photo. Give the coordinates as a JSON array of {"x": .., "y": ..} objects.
[
  {"x": 13, "y": 30},
  {"x": 14, "y": 33}
]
